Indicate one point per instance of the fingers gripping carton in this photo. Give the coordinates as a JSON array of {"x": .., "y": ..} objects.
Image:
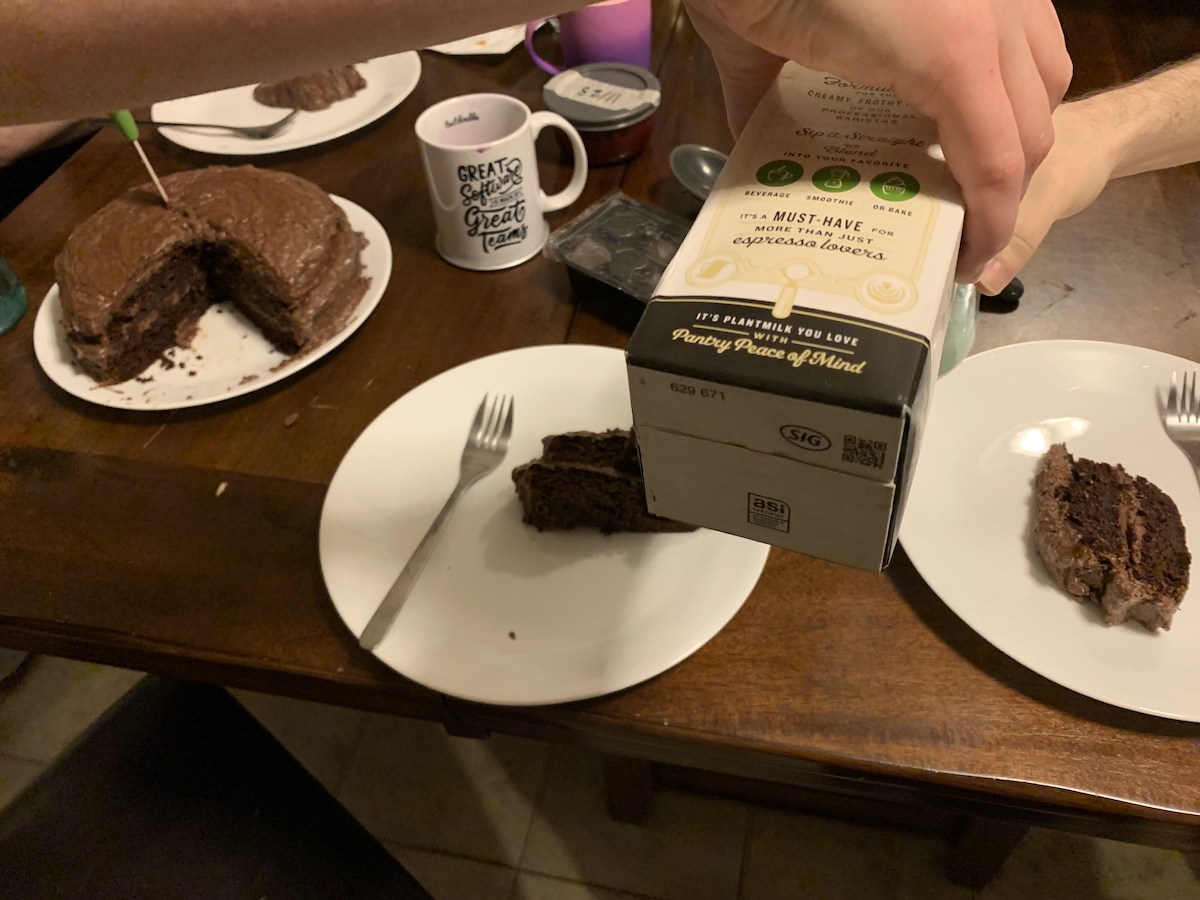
[{"x": 781, "y": 374}]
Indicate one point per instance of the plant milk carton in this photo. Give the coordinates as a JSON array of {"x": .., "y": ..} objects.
[{"x": 781, "y": 374}]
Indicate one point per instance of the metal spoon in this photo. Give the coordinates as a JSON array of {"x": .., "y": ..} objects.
[
  {"x": 253, "y": 132},
  {"x": 697, "y": 168}
]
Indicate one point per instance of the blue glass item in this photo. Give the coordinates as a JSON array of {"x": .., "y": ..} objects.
[
  {"x": 960, "y": 333},
  {"x": 13, "y": 301}
]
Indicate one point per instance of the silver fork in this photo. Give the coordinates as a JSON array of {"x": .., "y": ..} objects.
[
  {"x": 487, "y": 443},
  {"x": 254, "y": 132},
  {"x": 1182, "y": 417}
]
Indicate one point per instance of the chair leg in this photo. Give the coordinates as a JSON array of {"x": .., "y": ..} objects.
[
  {"x": 628, "y": 788},
  {"x": 981, "y": 849}
]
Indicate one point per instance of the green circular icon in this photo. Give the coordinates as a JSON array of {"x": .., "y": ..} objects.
[
  {"x": 895, "y": 186},
  {"x": 836, "y": 179},
  {"x": 779, "y": 172}
]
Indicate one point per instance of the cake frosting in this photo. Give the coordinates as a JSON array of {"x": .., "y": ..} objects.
[
  {"x": 135, "y": 277},
  {"x": 1111, "y": 538}
]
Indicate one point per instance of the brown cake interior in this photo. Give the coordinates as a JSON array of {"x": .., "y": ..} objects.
[
  {"x": 1110, "y": 538},
  {"x": 588, "y": 480},
  {"x": 158, "y": 315}
]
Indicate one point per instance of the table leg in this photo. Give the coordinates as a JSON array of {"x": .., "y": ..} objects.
[
  {"x": 981, "y": 849},
  {"x": 628, "y": 788}
]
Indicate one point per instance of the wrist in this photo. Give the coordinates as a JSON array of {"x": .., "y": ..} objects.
[{"x": 1113, "y": 131}]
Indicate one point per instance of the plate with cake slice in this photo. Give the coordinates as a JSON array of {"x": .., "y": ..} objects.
[
  {"x": 248, "y": 276},
  {"x": 1053, "y": 514},
  {"x": 552, "y": 582},
  {"x": 331, "y": 104}
]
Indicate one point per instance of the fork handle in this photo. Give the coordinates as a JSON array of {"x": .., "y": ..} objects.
[{"x": 386, "y": 614}]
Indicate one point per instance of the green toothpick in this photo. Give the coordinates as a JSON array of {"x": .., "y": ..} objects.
[{"x": 123, "y": 119}]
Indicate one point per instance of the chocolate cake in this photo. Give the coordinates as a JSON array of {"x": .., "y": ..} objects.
[
  {"x": 136, "y": 277},
  {"x": 1111, "y": 538},
  {"x": 588, "y": 480},
  {"x": 312, "y": 92}
]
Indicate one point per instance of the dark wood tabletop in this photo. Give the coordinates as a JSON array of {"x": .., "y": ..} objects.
[{"x": 116, "y": 547}]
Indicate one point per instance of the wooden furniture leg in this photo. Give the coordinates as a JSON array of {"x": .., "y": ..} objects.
[
  {"x": 981, "y": 849},
  {"x": 628, "y": 788}
]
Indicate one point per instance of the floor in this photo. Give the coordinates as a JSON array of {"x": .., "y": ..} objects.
[{"x": 514, "y": 819}]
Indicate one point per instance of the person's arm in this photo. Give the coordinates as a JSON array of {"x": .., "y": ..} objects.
[
  {"x": 988, "y": 72},
  {"x": 1149, "y": 124},
  {"x": 19, "y": 140},
  {"x": 63, "y": 59}
]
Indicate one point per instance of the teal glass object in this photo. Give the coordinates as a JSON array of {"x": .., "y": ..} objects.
[
  {"x": 13, "y": 301},
  {"x": 960, "y": 333}
]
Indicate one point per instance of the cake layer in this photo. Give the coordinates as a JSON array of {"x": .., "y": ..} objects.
[
  {"x": 588, "y": 480},
  {"x": 1110, "y": 538}
]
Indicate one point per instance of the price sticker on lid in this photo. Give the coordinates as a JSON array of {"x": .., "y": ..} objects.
[{"x": 571, "y": 85}]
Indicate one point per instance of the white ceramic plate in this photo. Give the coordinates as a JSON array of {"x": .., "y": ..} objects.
[
  {"x": 505, "y": 614},
  {"x": 968, "y": 526},
  {"x": 229, "y": 355},
  {"x": 389, "y": 80}
]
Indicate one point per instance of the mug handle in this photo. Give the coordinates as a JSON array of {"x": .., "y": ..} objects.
[
  {"x": 571, "y": 192},
  {"x": 530, "y": 29}
]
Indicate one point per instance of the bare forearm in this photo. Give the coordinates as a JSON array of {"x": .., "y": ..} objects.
[
  {"x": 1154, "y": 123},
  {"x": 68, "y": 58}
]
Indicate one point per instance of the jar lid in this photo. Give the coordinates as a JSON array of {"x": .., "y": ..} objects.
[{"x": 603, "y": 96}]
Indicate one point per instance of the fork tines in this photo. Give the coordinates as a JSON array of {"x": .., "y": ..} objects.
[
  {"x": 1182, "y": 402},
  {"x": 492, "y": 427}
]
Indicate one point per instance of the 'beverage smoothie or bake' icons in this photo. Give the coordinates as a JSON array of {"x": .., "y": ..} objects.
[
  {"x": 779, "y": 173},
  {"x": 895, "y": 186},
  {"x": 835, "y": 179}
]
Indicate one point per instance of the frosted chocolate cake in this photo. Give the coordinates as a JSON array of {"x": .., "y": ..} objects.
[
  {"x": 311, "y": 93},
  {"x": 1111, "y": 538},
  {"x": 136, "y": 277},
  {"x": 588, "y": 480}
]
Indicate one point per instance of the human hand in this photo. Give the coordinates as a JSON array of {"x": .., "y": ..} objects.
[
  {"x": 988, "y": 72},
  {"x": 1078, "y": 167}
]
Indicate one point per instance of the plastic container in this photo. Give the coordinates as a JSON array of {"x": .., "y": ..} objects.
[
  {"x": 960, "y": 333},
  {"x": 611, "y": 105}
]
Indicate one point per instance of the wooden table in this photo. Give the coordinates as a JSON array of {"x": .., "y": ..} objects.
[{"x": 850, "y": 692}]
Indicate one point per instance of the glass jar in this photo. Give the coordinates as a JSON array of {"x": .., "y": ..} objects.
[
  {"x": 13, "y": 301},
  {"x": 960, "y": 332}
]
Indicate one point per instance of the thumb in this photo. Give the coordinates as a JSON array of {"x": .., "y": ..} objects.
[
  {"x": 746, "y": 70},
  {"x": 1034, "y": 218}
]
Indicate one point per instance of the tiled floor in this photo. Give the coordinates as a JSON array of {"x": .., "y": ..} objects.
[{"x": 512, "y": 819}]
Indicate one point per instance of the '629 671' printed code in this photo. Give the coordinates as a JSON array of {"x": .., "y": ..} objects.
[
  {"x": 863, "y": 452},
  {"x": 690, "y": 390}
]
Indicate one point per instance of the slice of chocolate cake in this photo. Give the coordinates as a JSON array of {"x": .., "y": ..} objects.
[
  {"x": 135, "y": 278},
  {"x": 588, "y": 480},
  {"x": 1112, "y": 538},
  {"x": 311, "y": 93}
]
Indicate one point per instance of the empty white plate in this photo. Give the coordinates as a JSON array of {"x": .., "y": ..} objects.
[
  {"x": 503, "y": 613},
  {"x": 389, "y": 80},
  {"x": 968, "y": 526},
  {"x": 229, "y": 355}
]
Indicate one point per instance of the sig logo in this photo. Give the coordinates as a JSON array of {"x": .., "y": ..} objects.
[
  {"x": 805, "y": 438},
  {"x": 768, "y": 512}
]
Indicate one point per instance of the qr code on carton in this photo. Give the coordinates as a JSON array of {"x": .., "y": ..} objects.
[{"x": 863, "y": 452}]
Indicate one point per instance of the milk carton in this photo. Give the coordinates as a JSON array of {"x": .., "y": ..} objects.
[{"x": 781, "y": 375}]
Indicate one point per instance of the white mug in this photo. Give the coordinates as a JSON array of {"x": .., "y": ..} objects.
[{"x": 482, "y": 172}]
